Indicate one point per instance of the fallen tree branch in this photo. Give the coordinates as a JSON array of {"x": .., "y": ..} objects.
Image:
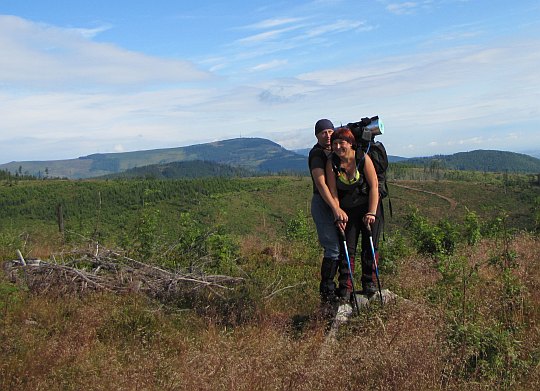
[
  {"x": 282, "y": 289},
  {"x": 112, "y": 271}
]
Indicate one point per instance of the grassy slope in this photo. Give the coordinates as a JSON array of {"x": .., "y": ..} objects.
[
  {"x": 285, "y": 198},
  {"x": 259, "y": 207},
  {"x": 102, "y": 341}
]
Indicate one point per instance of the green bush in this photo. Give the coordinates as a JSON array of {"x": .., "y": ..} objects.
[
  {"x": 298, "y": 228},
  {"x": 224, "y": 251},
  {"x": 392, "y": 249},
  {"x": 472, "y": 228},
  {"x": 489, "y": 352},
  {"x": 435, "y": 240},
  {"x": 146, "y": 239},
  {"x": 10, "y": 242},
  {"x": 9, "y": 296}
]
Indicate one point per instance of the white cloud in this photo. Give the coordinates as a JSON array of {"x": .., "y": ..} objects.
[
  {"x": 265, "y": 36},
  {"x": 47, "y": 56},
  {"x": 338, "y": 26},
  {"x": 270, "y": 23},
  {"x": 293, "y": 38},
  {"x": 269, "y": 65},
  {"x": 64, "y": 95},
  {"x": 90, "y": 33},
  {"x": 402, "y": 8}
]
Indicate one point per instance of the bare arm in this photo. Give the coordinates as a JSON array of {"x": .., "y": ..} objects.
[
  {"x": 320, "y": 182},
  {"x": 371, "y": 177},
  {"x": 340, "y": 216}
]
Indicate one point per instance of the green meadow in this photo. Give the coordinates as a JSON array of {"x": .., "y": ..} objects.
[{"x": 460, "y": 249}]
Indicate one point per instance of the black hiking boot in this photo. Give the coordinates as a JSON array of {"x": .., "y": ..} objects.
[
  {"x": 346, "y": 297},
  {"x": 329, "y": 305},
  {"x": 369, "y": 288}
]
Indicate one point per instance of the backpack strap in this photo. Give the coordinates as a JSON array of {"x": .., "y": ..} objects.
[
  {"x": 360, "y": 162},
  {"x": 388, "y": 196},
  {"x": 335, "y": 163}
]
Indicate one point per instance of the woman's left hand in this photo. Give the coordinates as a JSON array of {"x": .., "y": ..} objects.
[{"x": 369, "y": 219}]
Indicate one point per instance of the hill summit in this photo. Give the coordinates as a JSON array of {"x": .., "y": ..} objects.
[{"x": 255, "y": 154}]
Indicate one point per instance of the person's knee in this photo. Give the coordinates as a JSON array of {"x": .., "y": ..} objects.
[
  {"x": 331, "y": 252},
  {"x": 330, "y": 244}
]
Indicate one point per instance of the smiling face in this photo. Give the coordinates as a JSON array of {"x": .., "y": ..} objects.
[
  {"x": 343, "y": 143},
  {"x": 342, "y": 148}
]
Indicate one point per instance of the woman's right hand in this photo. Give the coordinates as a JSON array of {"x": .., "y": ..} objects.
[{"x": 340, "y": 219}]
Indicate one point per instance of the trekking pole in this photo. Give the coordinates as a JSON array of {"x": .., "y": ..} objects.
[
  {"x": 376, "y": 263},
  {"x": 342, "y": 235}
]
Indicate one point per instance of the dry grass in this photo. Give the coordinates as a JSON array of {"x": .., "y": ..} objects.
[{"x": 104, "y": 341}]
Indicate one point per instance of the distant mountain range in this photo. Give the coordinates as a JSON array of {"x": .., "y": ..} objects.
[
  {"x": 242, "y": 157},
  {"x": 533, "y": 153},
  {"x": 255, "y": 154},
  {"x": 481, "y": 160}
]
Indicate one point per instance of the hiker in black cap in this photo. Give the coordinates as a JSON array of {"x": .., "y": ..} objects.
[{"x": 325, "y": 210}]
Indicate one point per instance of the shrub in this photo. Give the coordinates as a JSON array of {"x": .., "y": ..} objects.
[
  {"x": 392, "y": 249},
  {"x": 435, "y": 240},
  {"x": 472, "y": 228},
  {"x": 298, "y": 228}
]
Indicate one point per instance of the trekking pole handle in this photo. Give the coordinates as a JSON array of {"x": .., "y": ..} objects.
[
  {"x": 341, "y": 234},
  {"x": 368, "y": 228},
  {"x": 366, "y": 219}
]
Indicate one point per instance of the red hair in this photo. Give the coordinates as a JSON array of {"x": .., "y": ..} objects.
[{"x": 344, "y": 133}]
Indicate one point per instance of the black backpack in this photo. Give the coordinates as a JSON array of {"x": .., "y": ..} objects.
[
  {"x": 376, "y": 151},
  {"x": 365, "y": 139}
]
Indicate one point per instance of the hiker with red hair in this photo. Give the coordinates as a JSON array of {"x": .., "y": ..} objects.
[{"x": 352, "y": 181}]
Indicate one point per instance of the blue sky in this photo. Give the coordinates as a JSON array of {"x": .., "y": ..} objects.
[{"x": 445, "y": 76}]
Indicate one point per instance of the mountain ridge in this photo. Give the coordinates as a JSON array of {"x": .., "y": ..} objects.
[
  {"x": 257, "y": 155},
  {"x": 480, "y": 160}
]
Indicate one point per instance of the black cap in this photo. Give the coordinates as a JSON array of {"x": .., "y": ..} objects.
[{"x": 323, "y": 124}]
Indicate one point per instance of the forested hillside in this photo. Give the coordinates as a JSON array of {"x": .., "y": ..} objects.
[
  {"x": 189, "y": 169},
  {"x": 480, "y": 160}
]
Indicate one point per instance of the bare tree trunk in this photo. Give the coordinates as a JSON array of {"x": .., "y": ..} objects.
[{"x": 60, "y": 218}]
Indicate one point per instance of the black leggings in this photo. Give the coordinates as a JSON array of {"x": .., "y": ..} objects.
[{"x": 356, "y": 229}]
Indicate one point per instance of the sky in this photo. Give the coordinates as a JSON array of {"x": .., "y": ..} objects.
[{"x": 445, "y": 76}]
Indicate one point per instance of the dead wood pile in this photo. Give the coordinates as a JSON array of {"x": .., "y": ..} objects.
[{"x": 111, "y": 271}]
